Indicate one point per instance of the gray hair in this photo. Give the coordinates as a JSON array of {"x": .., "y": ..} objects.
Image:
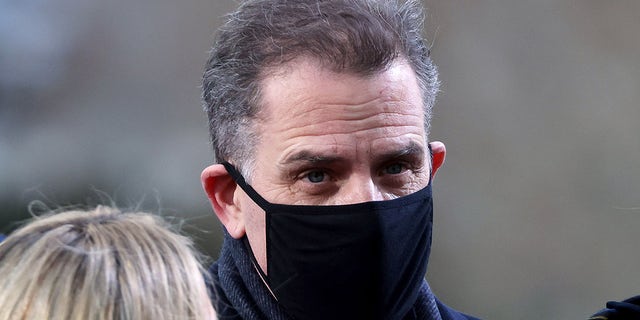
[{"x": 361, "y": 37}]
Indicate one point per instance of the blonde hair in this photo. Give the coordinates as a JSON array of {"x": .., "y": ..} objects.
[{"x": 101, "y": 264}]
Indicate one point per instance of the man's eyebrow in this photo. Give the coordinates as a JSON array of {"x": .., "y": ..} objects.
[
  {"x": 310, "y": 157},
  {"x": 410, "y": 149}
]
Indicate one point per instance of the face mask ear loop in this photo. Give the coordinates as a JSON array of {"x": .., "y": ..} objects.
[
  {"x": 254, "y": 262},
  {"x": 430, "y": 163},
  {"x": 240, "y": 181},
  {"x": 259, "y": 200}
]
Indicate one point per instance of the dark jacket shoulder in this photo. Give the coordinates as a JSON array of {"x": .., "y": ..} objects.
[{"x": 620, "y": 310}]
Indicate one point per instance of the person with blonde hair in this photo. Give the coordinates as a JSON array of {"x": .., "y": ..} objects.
[{"x": 101, "y": 264}]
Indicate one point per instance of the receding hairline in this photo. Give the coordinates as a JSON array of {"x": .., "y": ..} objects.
[{"x": 274, "y": 71}]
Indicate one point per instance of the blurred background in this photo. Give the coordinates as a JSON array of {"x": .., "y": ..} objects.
[{"x": 537, "y": 209}]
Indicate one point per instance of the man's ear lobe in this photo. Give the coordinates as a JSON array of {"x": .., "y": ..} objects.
[
  {"x": 220, "y": 188},
  {"x": 438, "y": 152}
]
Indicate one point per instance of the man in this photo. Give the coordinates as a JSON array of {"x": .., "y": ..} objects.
[{"x": 319, "y": 117}]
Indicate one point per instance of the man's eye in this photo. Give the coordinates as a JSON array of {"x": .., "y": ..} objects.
[
  {"x": 395, "y": 168},
  {"x": 316, "y": 176}
]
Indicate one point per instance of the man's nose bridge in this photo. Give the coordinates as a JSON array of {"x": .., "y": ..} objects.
[{"x": 361, "y": 189}]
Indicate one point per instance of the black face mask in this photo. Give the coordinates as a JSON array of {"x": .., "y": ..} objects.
[{"x": 355, "y": 261}]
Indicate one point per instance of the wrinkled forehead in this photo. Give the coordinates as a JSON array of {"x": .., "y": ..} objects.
[{"x": 297, "y": 80}]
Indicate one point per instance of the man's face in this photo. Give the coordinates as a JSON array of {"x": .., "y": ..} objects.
[{"x": 329, "y": 139}]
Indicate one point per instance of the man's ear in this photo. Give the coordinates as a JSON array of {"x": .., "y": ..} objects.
[
  {"x": 220, "y": 189},
  {"x": 438, "y": 152}
]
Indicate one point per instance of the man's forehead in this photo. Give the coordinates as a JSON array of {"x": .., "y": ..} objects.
[{"x": 303, "y": 77}]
